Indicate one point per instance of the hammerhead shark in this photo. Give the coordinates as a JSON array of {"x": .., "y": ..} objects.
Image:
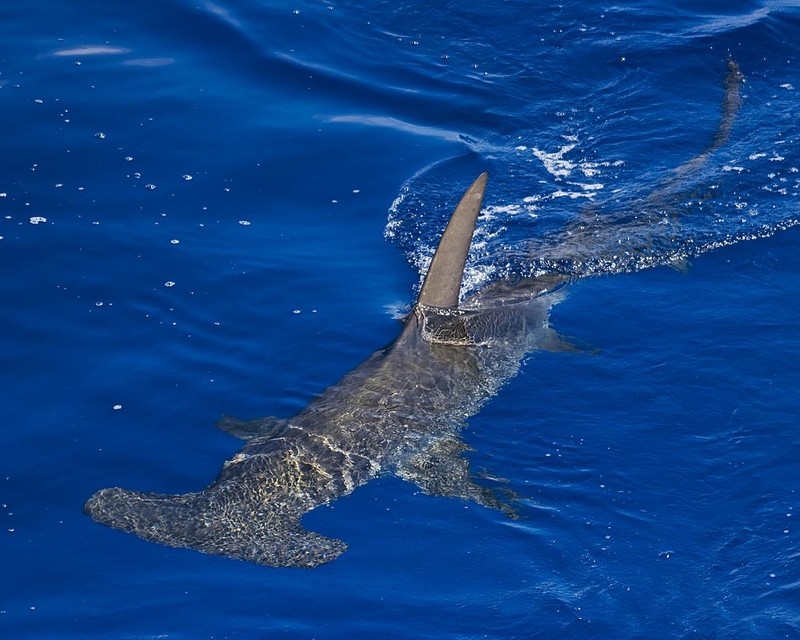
[{"x": 399, "y": 412}]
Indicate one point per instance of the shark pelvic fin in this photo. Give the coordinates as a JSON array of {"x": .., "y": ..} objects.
[
  {"x": 248, "y": 429},
  {"x": 554, "y": 342},
  {"x": 443, "y": 281}
]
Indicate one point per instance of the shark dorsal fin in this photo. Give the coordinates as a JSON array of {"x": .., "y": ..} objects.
[{"x": 443, "y": 280}]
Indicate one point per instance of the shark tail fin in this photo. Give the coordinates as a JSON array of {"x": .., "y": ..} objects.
[
  {"x": 442, "y": 283},
  {"x": 731, "y": 103},
  {"x": 210, "y": 524}
]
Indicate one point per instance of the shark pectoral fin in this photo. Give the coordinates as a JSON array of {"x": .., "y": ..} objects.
[
  {"x": 249, "y": 429},
  {"x": 210, "y": 522},
  {"x": 290, "y": 546},
  {"x": 441, "y": 470}
]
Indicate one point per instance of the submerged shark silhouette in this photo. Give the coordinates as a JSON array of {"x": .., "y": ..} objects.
[{"x": 398, "y": 412}]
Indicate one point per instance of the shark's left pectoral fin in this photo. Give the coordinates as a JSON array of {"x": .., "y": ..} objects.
[
  {"x": 268, "y": 426},
  {"x": 441, "y": 470}
]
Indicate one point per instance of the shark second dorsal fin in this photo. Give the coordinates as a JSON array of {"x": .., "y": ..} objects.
[{"x": 443, "y": 281}]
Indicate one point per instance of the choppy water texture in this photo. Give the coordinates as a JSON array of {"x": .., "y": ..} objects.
[{"x": 195, "y": 203}]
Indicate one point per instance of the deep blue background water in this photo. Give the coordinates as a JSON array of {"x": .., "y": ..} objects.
[{"x": 658, "y": 468}]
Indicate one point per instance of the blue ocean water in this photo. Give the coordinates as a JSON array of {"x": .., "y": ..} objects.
[{"x": 220, "y": 207}]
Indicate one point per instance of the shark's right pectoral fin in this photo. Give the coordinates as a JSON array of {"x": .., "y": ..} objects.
[
  {"x": 210, "y": 523},
  {"x": 441, "y": 470}
]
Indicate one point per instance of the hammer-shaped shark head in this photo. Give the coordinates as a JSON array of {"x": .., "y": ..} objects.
[{"x": 212, "y": 522}]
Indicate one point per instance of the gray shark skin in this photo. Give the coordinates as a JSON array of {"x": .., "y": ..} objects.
[{"x": 400, "y": 412}]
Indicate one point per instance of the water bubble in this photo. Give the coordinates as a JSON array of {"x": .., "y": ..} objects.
[
  {"x": 244, "y": 223},
  {"x": 169, "y": 283},
  {"x": 37, "y": 219},
  {"x": 100, "y": 135},
  {"x": 187, "y": 177}
]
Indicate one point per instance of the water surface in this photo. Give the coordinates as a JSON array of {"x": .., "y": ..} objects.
[{"x": 219, "y": 208}]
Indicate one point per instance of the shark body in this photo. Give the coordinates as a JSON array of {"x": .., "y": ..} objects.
[{"x": 399, "y": 412}]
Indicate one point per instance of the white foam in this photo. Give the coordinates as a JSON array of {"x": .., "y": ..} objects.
[{"x": 554, "y": 162}]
